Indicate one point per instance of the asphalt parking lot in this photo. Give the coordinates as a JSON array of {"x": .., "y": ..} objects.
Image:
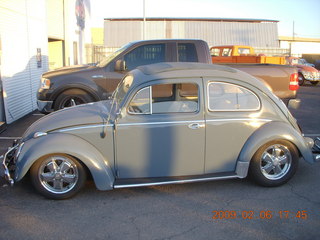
[{"x": 232, "y": 209}]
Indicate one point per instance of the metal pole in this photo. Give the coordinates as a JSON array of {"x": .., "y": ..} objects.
[{"x": 144, "y": 19}]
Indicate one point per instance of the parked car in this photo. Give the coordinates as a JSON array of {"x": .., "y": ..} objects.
[
  {"x": 166, "y": 123},
  {"x": 82, "y": 84},
  {"x": 306, "y": 71},
  {"x": 241, "y": 54}
]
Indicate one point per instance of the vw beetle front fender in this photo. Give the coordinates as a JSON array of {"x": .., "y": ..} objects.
[
  {"x": 36, "y": 148},
  {"x": 269, "y": 132}
]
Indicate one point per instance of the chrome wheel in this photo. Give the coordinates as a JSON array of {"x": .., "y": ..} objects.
[
  {"x": 275, "y": 162},
  {"x": 58, "y": 174}
]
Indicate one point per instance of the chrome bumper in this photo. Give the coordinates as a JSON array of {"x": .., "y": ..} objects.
[
  {"x": 316, "y": 149},
  {"x": 6, "y": 161}
]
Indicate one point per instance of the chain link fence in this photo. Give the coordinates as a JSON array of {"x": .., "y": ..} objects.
[{"x": 95, "y": 53}]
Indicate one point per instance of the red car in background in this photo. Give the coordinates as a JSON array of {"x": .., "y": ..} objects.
[{"x": 306, "y": 72}]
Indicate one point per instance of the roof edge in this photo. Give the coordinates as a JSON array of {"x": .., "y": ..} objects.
[{"x": 196, "y": 19}]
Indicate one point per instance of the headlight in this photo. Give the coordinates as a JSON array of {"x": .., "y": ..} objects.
[{"x": 45, "y": 83}]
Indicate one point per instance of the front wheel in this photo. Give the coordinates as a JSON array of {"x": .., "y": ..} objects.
[
  {"x": 274, "y": 163},
  {"x": 72, "y": 97},
  {"x": 58, "y": 176}
]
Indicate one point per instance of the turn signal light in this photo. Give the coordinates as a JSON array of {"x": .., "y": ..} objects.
[{"x": 294, "y": 83}]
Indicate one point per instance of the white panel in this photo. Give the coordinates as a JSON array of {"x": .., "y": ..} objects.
[
  {"x": 55, "y": 18},
  {"x": 23, "y": 30}
]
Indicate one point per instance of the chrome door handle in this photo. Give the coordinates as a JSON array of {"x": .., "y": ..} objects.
[
  {"x": 196, "y": 125},
  {"x": 97, "y": 76}
]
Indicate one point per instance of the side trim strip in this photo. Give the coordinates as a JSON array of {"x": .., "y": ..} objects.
[
  {"x": 174, "y": 182},
  {"x": 158, "y": 123},
  {"x": 240, "y": 119},
  {"x": 84, "y": 127}
]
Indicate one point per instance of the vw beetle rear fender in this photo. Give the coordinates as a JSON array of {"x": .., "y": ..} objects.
[
  {"x": 33, "y": 149},
  {"x": 269, "y": 132}
]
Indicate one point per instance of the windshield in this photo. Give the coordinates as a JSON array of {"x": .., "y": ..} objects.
[{"x": 112, "y": 56}]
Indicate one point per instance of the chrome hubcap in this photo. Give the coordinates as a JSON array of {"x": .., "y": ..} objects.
[
  {"x": 58, "y": 174},
  {"x": 275, "y": 162}
]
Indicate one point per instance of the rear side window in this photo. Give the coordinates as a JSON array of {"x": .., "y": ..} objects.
[
  {"x": 231, "y": 97},
  {"x": 187, "y": 52},
  {"x": 144, "y": 55}
]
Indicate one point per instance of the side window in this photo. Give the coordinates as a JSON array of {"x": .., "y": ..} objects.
[
  {"x": 215, "y": 52},
  {"x": 144, "y": 55},
  {"x": 226, "y": 52},
  {"x": 230, "y": 97},
  {"x": 166, "y": 98},
  {"x": 140, "y": 104},
  {"x": 187, "y": 52}
]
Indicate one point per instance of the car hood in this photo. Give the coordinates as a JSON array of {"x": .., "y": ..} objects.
[
  {"x": 87, "y": 114},
  {"x": 66, "y": 70}
]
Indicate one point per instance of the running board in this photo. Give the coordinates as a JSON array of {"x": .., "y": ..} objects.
[{"x": 125, "y": 183}]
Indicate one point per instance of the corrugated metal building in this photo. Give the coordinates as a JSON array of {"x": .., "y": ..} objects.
[{"x": 254, "y": 32}]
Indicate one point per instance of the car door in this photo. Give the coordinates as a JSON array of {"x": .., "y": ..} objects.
[
  {"x": 161, "y": 131},
  {"x": 232, "y": 115}
]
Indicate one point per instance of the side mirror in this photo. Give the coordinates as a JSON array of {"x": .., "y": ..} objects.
[
  {"x": 120, "y": 66},
  {"x": 294, "y": 103}
]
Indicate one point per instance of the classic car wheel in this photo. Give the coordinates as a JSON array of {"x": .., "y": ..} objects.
[
  {"x": 274, "y": 163},
  {"x": 301, "y": 79},
  {"x": 314, "y": 82},
  {"x": 72, "y": 97},
  {"x": 58, "y": 176}
]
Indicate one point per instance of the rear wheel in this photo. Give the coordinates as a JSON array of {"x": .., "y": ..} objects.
[
  {"x": 72, "y": 97},
  {"x": 301, "y": 79},
  {"x": 58, "y": 176},
  {"x": 314, "y": 82},
  {"x": 274, "y": 163}
]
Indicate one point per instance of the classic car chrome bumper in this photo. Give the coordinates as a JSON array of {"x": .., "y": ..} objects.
[
  {"x": 7, "y": 160},
  {"x": 316, "y": 149}
]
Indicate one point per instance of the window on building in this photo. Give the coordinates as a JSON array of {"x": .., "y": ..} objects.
[
  {"x": 143, "y": 55},
  {"x": 187, "y": 52},
  {"x": 230, "y": 97},
  {"x": 165, "y": 98}
]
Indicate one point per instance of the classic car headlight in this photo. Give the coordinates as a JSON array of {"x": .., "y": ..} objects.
[{"x": 45, "y": 83}]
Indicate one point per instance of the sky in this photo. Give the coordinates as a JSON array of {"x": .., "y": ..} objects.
[{"x": 301, "y": 17}]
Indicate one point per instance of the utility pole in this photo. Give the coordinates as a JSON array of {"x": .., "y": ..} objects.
[
  {"x": 144, "y": 19},
  {"x": 292, "y": 42}
]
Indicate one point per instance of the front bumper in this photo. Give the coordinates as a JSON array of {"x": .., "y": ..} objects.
[
  {"x": 8, "y": 164},
  {"x": 316, "y": 149},
  {"x": 45, "y": 106}
]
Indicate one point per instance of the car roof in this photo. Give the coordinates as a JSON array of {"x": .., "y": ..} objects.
[{"x": 169, "y": 70}]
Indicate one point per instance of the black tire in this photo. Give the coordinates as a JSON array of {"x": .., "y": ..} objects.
[
  {"x": 58, "y": 176},
  {"x": 66, "y": 98},
  {"x": 314, "y": 82},
  {"x": 274, "y": 163},
  {"x": 301, "y": 79}
]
